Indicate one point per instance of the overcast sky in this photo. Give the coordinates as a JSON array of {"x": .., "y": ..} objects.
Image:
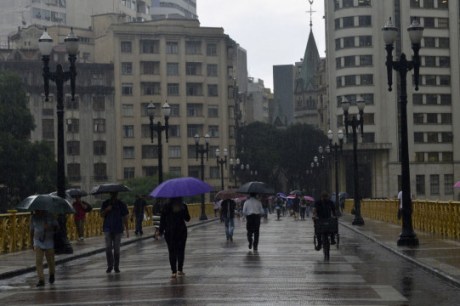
[{"x": 273, "y": 32}]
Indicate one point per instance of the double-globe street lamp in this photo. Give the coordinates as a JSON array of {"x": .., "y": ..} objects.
[
  {"x": 59, "y": 77},
  {"x": 221, "y": 162},
  {"x": 402, "y": 66},
  {"x": 323, "y": 152},
  {"x": 355, "y": 123},
  {"x": 158, "y": 128},
  {"x": 234, "y": 163},
  {"x": 202, "y": 150},
  {"x": 336, "y": 148}
]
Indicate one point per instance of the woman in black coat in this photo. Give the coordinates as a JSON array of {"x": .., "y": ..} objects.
[{"x": 172, "y": 226}]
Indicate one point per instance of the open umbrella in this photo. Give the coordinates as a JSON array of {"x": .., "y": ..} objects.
[
  {"x": 255, "y": 187},
  {"x": 67, "y": 196},
  {"x": 180, "y": 187},
  {"x": 457, "y": 184},
  {"x": 309, "y": 198},
  {"x": 281, "y": 195},
  {"x": 227, "y": 194},
  {"x": 108, "y": 188},
  {"x": 76, "y": 193},
  {"x": 50, "y": 203},
  {"x": 296, "y": 192}
]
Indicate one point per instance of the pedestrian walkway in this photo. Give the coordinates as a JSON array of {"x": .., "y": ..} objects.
[{"x": 435, "y": 254}]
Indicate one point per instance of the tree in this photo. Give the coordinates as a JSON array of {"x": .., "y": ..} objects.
[{"x": 26, "y": 168}]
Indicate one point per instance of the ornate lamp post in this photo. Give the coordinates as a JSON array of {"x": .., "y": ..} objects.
[
  {"x": 235, "y": 164},
  {"x": 221, "y": 162},
  {"x": 355, "y": 123},
  {"x": 59, "y": 77},
  {"x": 158, "y": 128},
  {"x": 336, "y": 149},
  {"x": 315, "y": 166},
  {"x": 324, "y": 166},
  {"x": 402, "y": 66},
  {"x": 202, "y": 150}
]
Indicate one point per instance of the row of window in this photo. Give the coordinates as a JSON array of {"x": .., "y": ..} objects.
[
  {"x": 173, "y": 130},
  {"x": 339, "y": 4},
  {"x": 151, "y": 46},
  {"x": 193, "y": 171},
  {"x": 429, "y": 4},
  {"x": 366, "y": 21},
  {"x": 98, "y": 104},
  {"x": 193, "y": 110},
  {"x": 364, "y": 41},
  {"x": 173, "y": 89},
  {"x": 432, "y": 99},
  {"x": 172, "y": 69},
  {"x": 435, "y": 184},
  {"x": 353, "y": 61},
  {"x": 433, "y": 137},
  {"x": 354, "y": 80},
  {"x": 434, "y": 157},
  {"x": 367, "y": 97},
  {"x": 432, "y": 118}
]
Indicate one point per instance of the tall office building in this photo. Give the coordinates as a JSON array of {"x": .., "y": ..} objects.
[
  {"x": 356, "y": 58},
  {"x": 174, "y": 9}
]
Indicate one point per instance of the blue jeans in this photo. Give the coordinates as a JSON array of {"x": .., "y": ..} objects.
[
  {"x": 112, "y": 242},
  {"x": 139, "y": 219},
  {"x": 229, "y": 226}
]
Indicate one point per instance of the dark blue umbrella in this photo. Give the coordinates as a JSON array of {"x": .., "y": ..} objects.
[
  {"x": 50, "y": 203},
  {"x": 255, "y": 187},
  {"x": 180, "y": 187}
]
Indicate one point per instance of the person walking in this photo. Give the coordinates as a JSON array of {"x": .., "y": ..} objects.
[
  {"x": 227, "y": 215},
  {"x": 172, "y": 226},
  {"x": 324, "y": 209},
  {"x": 80, "y": 216},
  {"x": 303, "y": 208},
  {"x": 253, "y": 210},
  {"x": 138, "y": 214},
  {"x": 278, "y": 207},
  {"x": 115, "y": 214},
  {"x": 42, "y": 228}
]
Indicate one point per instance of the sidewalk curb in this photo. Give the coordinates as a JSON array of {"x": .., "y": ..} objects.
[
  {"x": 439, "y": 273},
  {"x": 70, "y": 257}
]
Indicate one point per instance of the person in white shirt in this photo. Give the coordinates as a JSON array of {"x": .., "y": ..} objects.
[{"x": 253, "y": 210}]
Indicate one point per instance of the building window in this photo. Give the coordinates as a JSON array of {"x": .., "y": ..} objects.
[
  {"x": 430, "y": 80},
  {"x": 447, "y": 137},
  {"x": 193, "y": 68},
  {"x": 444, "y": 80},
  {"x": 447, "y": 157},
  {"x": 369, "y": 138},
  {"x": 434, "y": 184},
  {"x": 149, "y": 151},
  {"x": 72, "y": 105},
  {"x": 194, "y": 89},
  {"x": 98, "y": 103},
  {"x": 126, "y": 47},
  {"x": 73, "y": 148},
  {"x": 214, "y": 172},
  {"x": 128, "y": 173},
  {"x": 150, "y": 68},
  {"x": 429, "y": 42},
  {"x": 99, "y": 125},
  {"x": 367, "y": 79},
  {"x": 446, "y": 118},
  {"x": 73, "y": 172},
  {"x": 128, "y": 152},
  {"x": 419, "y": 157},
  {"x": 446, "y": 99},
  {"x": 444, "y": 42},
  {"x": 430, "y": 61},
  {"x": 418, "y": 118},
  {"x": 420, "y": 184},
  {"x": 444, "y": 61},
  {"x": 443, "y": 23},
  {"x": 194, "y": 171},
  {"x": 127, "y": 89},
  {"x": 127, "y": 110},
  {"x": 418, "y": 137},
  {"x": 174, "y": 152},
  {"x": 433, "y": 157},
  {"x": 212, "y": 69},
  {"x": 173, "y": 89},
  {"x": 211, "y": 49},
  {"x": 213, "y": 130},
  {"x": 194, "y": 110},
  {"x": 175, "y": 171},
  {"x": 349, "y": 42},
  {"x": 431, "y": 99},
  {"x": 365, "y": 21},
  {"x": 172, "y": 47},
  {"x": 149, "y": 170},
  {"x": 150, "y": 88},
  {"x": 99, "y": 147},
  {"x": 149, "y": 46},
  {"x": 432, "y": 137},
  {"x": 212, "y": 90},
  {"x": 126, "y": 68},
  {"x": 48, "y": 128},
  {"x": 432, "y": 118},
  {"x": 193, "y": 47},
  {"x": 417, "y": 99},
  {"x": 349, "y": 61},
  {"x": 100, "y": 171},
  {"x": 174, "y": 131},
  {"x": 448, "y": 184},
  {"x": 428, "y": 22},
  {"x": 175, "y": 110},
  {"x": 347, "y": 3},
  {"x": 348, "y": 22},
  {"x": 172, "y": 68},
  {"x": 73, "y": 125},
  {"x": 350, "y": 80},
  {"x": 128, "y": 131},
  {"x": 365, "y": 60},
  {"x": 213, "y": 111},
  {"x": 194, "y": 129}
]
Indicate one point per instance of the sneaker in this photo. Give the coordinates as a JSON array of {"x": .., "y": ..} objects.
[
  {"x": 250, "y": 245},
  {"x": 117, "y": 270},
  {"x": 40, "y": 283},
  {"x": 180, "y": 273},
  {"x": 109, "y": 269},
  {"x": 231, "y": 238},
  {"x": 51, "y": 279}
]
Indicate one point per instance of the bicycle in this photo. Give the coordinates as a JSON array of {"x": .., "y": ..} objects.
[{"x": 326, "y": 229}]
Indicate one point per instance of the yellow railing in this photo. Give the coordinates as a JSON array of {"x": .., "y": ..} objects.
[
  {"x": 437, "y": 217},
  {"x": 14, "y": 226}
]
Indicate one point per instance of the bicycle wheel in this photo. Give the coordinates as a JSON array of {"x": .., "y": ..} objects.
[{"x": 326, "y": 246}]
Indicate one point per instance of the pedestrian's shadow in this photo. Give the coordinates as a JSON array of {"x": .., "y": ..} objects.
[{"x": 252, "y": 257}]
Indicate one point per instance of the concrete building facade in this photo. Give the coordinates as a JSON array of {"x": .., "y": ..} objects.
[
  {"x": 356, "y": 67},
  {"x": 173, "y": 9}
]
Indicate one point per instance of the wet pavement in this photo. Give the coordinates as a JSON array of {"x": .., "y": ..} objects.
[{"x": 367, "y": 269}]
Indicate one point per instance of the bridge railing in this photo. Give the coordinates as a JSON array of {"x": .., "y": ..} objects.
[
  {"x": 436, "y": 217},
  {"x": 15, "y": 226}
]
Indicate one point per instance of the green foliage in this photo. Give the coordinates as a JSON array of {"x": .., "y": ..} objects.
[
  {"x": 139, "y": 186},
  {"x": 26, "y": 167}
]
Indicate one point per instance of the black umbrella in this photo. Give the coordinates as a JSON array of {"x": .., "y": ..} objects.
[
  {"x": 109, "y": 188},
  {"x": 76, "y": 193},
  {"x": 255, "y": 187},
  {"x": 50, "y": 203}
]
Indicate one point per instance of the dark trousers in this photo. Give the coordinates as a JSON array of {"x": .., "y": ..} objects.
[
  {"x": 139, "y": 219},
  {"x": 252, "y": 226},
  {"x": 176, "y": 249},
  {"x": 112, "y": 249}
]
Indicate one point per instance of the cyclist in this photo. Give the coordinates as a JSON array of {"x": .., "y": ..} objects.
[{"x": 324, "y": 208}]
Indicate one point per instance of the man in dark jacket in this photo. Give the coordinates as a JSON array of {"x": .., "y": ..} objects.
[
  {"x": 227, "y": 215},
  {"x": 324, "y": 209}
]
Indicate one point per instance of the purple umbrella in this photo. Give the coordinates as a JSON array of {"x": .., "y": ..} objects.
[
  {"x": 180, "y": 187},
  {"x": 457, "y": 184}
]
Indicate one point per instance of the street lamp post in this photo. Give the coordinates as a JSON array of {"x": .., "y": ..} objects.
[
  {"x": 221, "y": 162},
  {"x": 336, "y": 149},
  {"x": 202, "y": 150},
  {"x": 324, "y": 166},
  {"x": 158, "y": 128},
  {"x": 355, "y": 123},
  {"x": 315, "y": 165},
  {"x": 402, "y": 66},
  {"x": 59, "y": 77},
  {"x": 235, "y": 164}
]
